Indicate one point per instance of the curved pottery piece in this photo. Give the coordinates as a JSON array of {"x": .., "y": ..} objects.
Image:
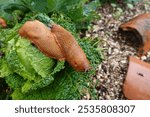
[
  {"x": 140, "y": 25},
  {"x": 137, "y": 82}
]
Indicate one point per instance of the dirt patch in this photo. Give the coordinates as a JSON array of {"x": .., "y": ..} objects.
[{"x": 116, "y": 46}]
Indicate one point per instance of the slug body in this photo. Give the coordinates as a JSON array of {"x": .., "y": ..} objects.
[
  {"x": 71, "y": 50},
  {"x": 56, "y": 43},
  {"x": 3, "y": 23},
  {"x": 41, "y": 36}
]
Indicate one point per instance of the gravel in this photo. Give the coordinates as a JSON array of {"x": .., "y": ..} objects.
[{"x": 117, "y": 47}]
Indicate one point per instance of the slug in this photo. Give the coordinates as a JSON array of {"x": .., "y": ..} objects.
[
  {"x": 56, "y": 43},
  {"x": 41, "y": 37},
  {"x": 3, "y": 22},
  {"x": 71, "y": 50}
]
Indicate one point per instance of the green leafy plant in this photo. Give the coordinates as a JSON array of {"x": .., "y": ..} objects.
[
  {"x": 81, "y": 12},
  {"x": 32, "y": 75}
]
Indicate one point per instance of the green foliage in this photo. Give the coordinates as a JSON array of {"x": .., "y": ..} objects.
[
  {"x": 81, "y": 12},
  {"x": 68, "y": 84},
  {"x": 32, "y": 65},
  {"x": 4, "y": 69},
  {"x": 27, "y": 71},
  {"x": 32, "y": 75},
  {"x": 64, "y": 21},
  {"x": 43, "y": 18},
  {"x": 14, "y": 81},
  {"x": 4, "y": 90}
]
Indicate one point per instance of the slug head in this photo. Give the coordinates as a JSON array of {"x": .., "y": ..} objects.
[{"x": 79, "y": 61}]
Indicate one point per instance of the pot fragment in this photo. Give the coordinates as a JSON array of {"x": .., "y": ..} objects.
[
  {"x": 137, "y": 82},
  {"x": 140, "y": 25}
]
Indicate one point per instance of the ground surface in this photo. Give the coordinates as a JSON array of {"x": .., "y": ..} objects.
[{"x": 117, "y": 48}]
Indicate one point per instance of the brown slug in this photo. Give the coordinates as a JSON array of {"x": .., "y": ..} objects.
[
  {"x": 41, "y": 36},
  {"x": 56, "y": 42},
  {"x": 73, "y": 53}
]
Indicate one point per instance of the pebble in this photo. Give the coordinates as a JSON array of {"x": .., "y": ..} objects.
[
  {"x": 116, "y": 51},
  {"x": 116, "y": 82},
  {"x": 109, "y": 50},
  {"x": 101, "y": 80},
  {"x": 143, "y": 58},
  {"x": 108, "y": 97},
  {"x": 148, "y": 54},
  {"x": 123, "y": 61},
  {"x": 88, "y": 35}
]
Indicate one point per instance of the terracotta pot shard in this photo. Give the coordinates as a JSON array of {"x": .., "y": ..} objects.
[
  {"x": 140, "y": 25},
  {"x": 137, "y": 82}
]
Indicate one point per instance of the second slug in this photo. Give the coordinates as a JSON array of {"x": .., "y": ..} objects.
[{"x": 70, "y": 48}]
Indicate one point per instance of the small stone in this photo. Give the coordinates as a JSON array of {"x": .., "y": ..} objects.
[
  {"x": 123, "y": 61},
  {"x": 116, "y": 51},
  {"x": 101, "y": 80},
  {"x": 88, "y": 95},
  {"x": 88, "y": 35},
  {"x": 109, "y": 16},
  {"x": 148, "y": 54},
  {"x": 116, "y": 82},
  {"x": 143, "y": 58},
  {"x": 108, "y": 97},
  {"x": 95, "y": 28},
  {"x": 95, "y": 35},
  {"x": 94, "y": 81},
  {"x": 109, "y": 51}
]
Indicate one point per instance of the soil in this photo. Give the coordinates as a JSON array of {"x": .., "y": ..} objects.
[{"x": 116, "y": 46}]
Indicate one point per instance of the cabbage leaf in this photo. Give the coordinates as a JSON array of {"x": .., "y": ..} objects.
[{"x": 32, "y": 75}]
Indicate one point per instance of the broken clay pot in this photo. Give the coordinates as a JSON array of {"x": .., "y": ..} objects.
[
  {"x": 137, "y": 82},
  {"x": 140, "y": 25}
]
